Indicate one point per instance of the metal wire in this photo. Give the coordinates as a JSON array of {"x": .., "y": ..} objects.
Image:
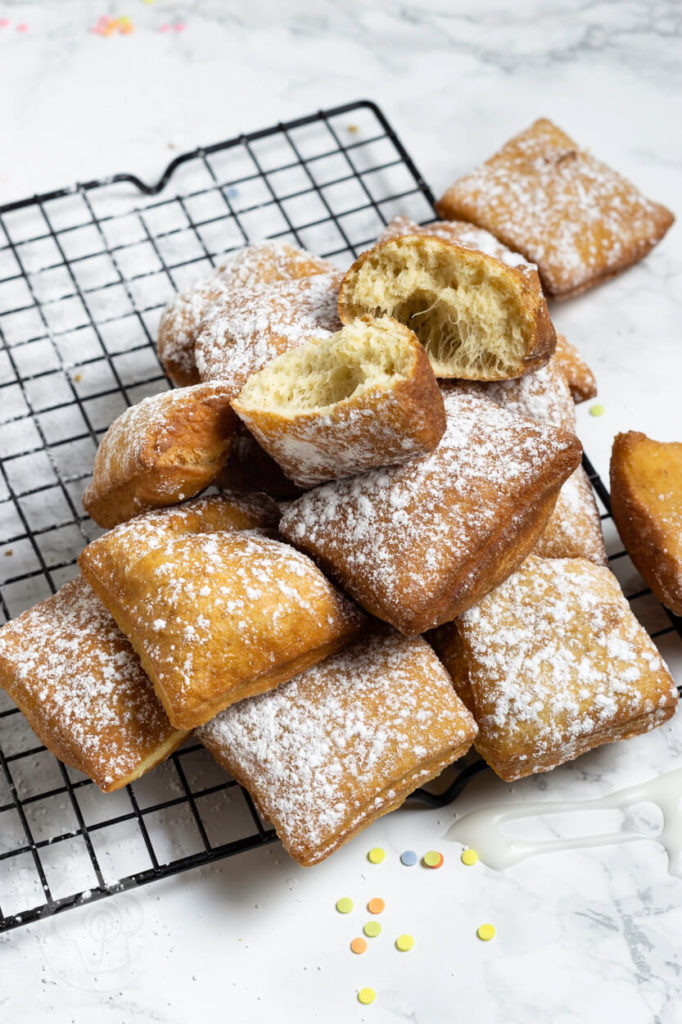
[{"x": 84, "y": 273}]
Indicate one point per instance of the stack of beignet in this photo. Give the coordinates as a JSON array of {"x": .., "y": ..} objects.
[{"x": 456, "y": 506}]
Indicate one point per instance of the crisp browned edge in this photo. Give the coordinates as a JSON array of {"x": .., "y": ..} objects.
[
  {"x": 641, "y": 534},
  {"x": 578, "y": 375}
]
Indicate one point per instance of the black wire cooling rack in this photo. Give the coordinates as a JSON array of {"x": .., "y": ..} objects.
[{"x": 84, "y": 274}]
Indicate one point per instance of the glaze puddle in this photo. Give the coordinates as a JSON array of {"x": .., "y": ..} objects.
[{"x": 484, "y": 829}]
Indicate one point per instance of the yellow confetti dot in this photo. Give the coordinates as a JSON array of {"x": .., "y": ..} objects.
[
  {"x": 376, "y": 905},
  {"x": 469, "y": 857},
  {"x": 597, "y": 410},
  {"x": 433, "y": 859},
  {"x": 344, "y": 905},
  {"x": 376, "y": 855},
  {"x": 358, "y": 945},
  {"x": 486, "y": 932},
  {"x": 353, "y": 129},
  {"x": 366, "y": 996},
  {"x": 404, "y": 943},
  {"x": 372, "y": 929}
]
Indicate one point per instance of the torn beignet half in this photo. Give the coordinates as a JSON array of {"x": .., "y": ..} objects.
[
  {"x": 417, "y": 544},
  {"x": 343, "y": 743},
  {"x": 247, "y": 268},
  {"x": 646, "y": 502},
  {"x": 70, "y": 670},
  {"x": 336, "y": 406},
  {"x": 553, "y": 663},
  {"x": 166, "y": 448},
  {"x": 477, "y": 318},
  {"x": 215, "y": 613}
]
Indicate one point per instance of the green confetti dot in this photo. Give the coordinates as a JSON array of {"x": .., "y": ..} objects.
[
  {"x": 597, "y": 410},
  {"x": 372, "y": 929},
  {"x": 344, "y": 905}
]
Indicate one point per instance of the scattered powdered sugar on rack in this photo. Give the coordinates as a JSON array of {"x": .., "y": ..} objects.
[
  {"x": 338, "y": 744},
  {"x": 68, "y": 666},
  {"x": 462, "y": 233}
]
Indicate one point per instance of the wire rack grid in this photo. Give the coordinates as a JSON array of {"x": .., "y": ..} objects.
[{"x": 84, "y": 275}]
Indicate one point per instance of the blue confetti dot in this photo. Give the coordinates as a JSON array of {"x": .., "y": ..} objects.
[{"x": 408, "y": 858}]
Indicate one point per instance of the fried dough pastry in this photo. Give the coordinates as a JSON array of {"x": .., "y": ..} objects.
[
  {"x": 477, "y": 317},
  {"x": 241, "y": 335},
  {"x": 336, "y": 406},
  {"x": 417, "y": 544},
  {"x": 577, "y": 374},
  {"x": 646, "y": 502},
  {"x": 248, "y": 268},
  {"x": 74, "y": 675},
  {"x": 552, "y": 664},
  {"x": 578, "y": 220},
  {"x": 216, "y": 612},
  {"x": 249, "y": 469},
  {"x": 166, "y": 448},
  {"x": 462, "y": 233},
  {"x": 330, "y": 751}
]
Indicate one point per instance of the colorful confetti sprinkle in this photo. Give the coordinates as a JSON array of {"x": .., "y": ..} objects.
[
  {"x": 111, "y": 26},
  {"x": 344, "y": 905},
  {"x": 433, "y": 859},
  {"x": 469, "y": 857},
  {"x": 359, "y": 945},
  {"x": 22, "y": 28},
  {"x": 486, "y": 932},
  {"x": 404, "y": 943},
  {"x": 4, "y": 22},
  {"x": 376, "y": 855},
  {"x": 408, "y": 858},
  {"x": 597, "y": 410},
  {"x": 376, "y": 905},
  {"x": 372, "y": 929},
  {"x": 179, "y": 27},
  {"x": 353, "y": 129},
  {"x": 366, "y": 996}
]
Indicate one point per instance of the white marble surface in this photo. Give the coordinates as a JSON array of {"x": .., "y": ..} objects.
[{"x": 582, "y": 936}]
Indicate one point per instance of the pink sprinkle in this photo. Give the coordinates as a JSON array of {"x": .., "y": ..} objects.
[
  {"x": 22, "y": 28},
  {"x": 179, "y": 27},
  {"x": 4, "y": 22},
  {"x": 165, "y": 28}
]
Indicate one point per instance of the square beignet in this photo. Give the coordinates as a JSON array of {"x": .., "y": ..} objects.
[
  {"x": 578, "y": 220},
  {"x": 336, "y": 406},
  {"x": 577, "y": 374},
  {"x": 553, "y": 663},
  {"x": 250, "y": 267},
  {"x": 73, "y": 674},
  {"x": 166, "y": 448},
  {"x": 216, "y": 613},
  {"x": 330, "y": 751},
  {"x": 646, "y": 501},
  {"x": 417, "y": 544}
]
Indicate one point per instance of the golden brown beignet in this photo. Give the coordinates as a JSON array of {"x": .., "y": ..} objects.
[
  {"x": 255, "y": 265},
  {"x": 250, "y": 468},
  {"x": 646, "y": 501},
  {"x": 216, "y": 612},
  {"x": 74, "y": 675},
  {"x": 166, "y": 448},
  {"x": 336, "y": 406},
  {"x": 477, "y": 318},
  {"x": 330, "y": 751},
  {"x": 241, "y": 335},
  {"x": 578, "y": 220},
  {"x": 553, "y": 663},
  {"x": 577, "y": 374},
  {"x": 417, "y": 544},
  {"x": 542, "y": 395}
]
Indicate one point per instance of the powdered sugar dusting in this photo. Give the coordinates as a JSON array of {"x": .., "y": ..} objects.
[
  {"x": 574, "y": 528},
  {"x": 322, "y": 753},
  {"x": 462, "y": 233},
  {"x": 541, "y": 395}
]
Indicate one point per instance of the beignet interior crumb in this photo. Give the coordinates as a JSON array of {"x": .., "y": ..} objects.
[
  {"x": 466, "y": 311},
  {"x": 325, "y": 371}
]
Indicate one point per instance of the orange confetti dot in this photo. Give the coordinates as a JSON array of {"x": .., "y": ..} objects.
[
  {"x": 359, "y": 945},
  {"x": 376, "y": 905}
]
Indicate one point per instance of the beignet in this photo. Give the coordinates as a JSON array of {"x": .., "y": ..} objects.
[
  {"x": 477, "y": 318},
  {"x": 417, "y": 544},
  {"x": 74, "y": 675},
  {"x": 255, "y": 265},
  {"x": 578, "y": 220},
  {"x": 216, "y": 612},
  {"x": 336, "y": 406},
  {"x": 330, "y": 751},
  {"x": 577, "y": 374},
  {"x": 166, "y": 448},
  {"x": 241, "y": 335},
  {"x": 553, "y": 663},
  {"x": 250, "y": 468},
  {"x": 646, "y": 501}
]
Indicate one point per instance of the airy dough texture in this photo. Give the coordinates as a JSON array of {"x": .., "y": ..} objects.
[
  {"x": 365, "y": 397},
  {"x": 552, "y": 664},
  {"x": 477, "y": 318},
  {"x": 646, "y": 501}
]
